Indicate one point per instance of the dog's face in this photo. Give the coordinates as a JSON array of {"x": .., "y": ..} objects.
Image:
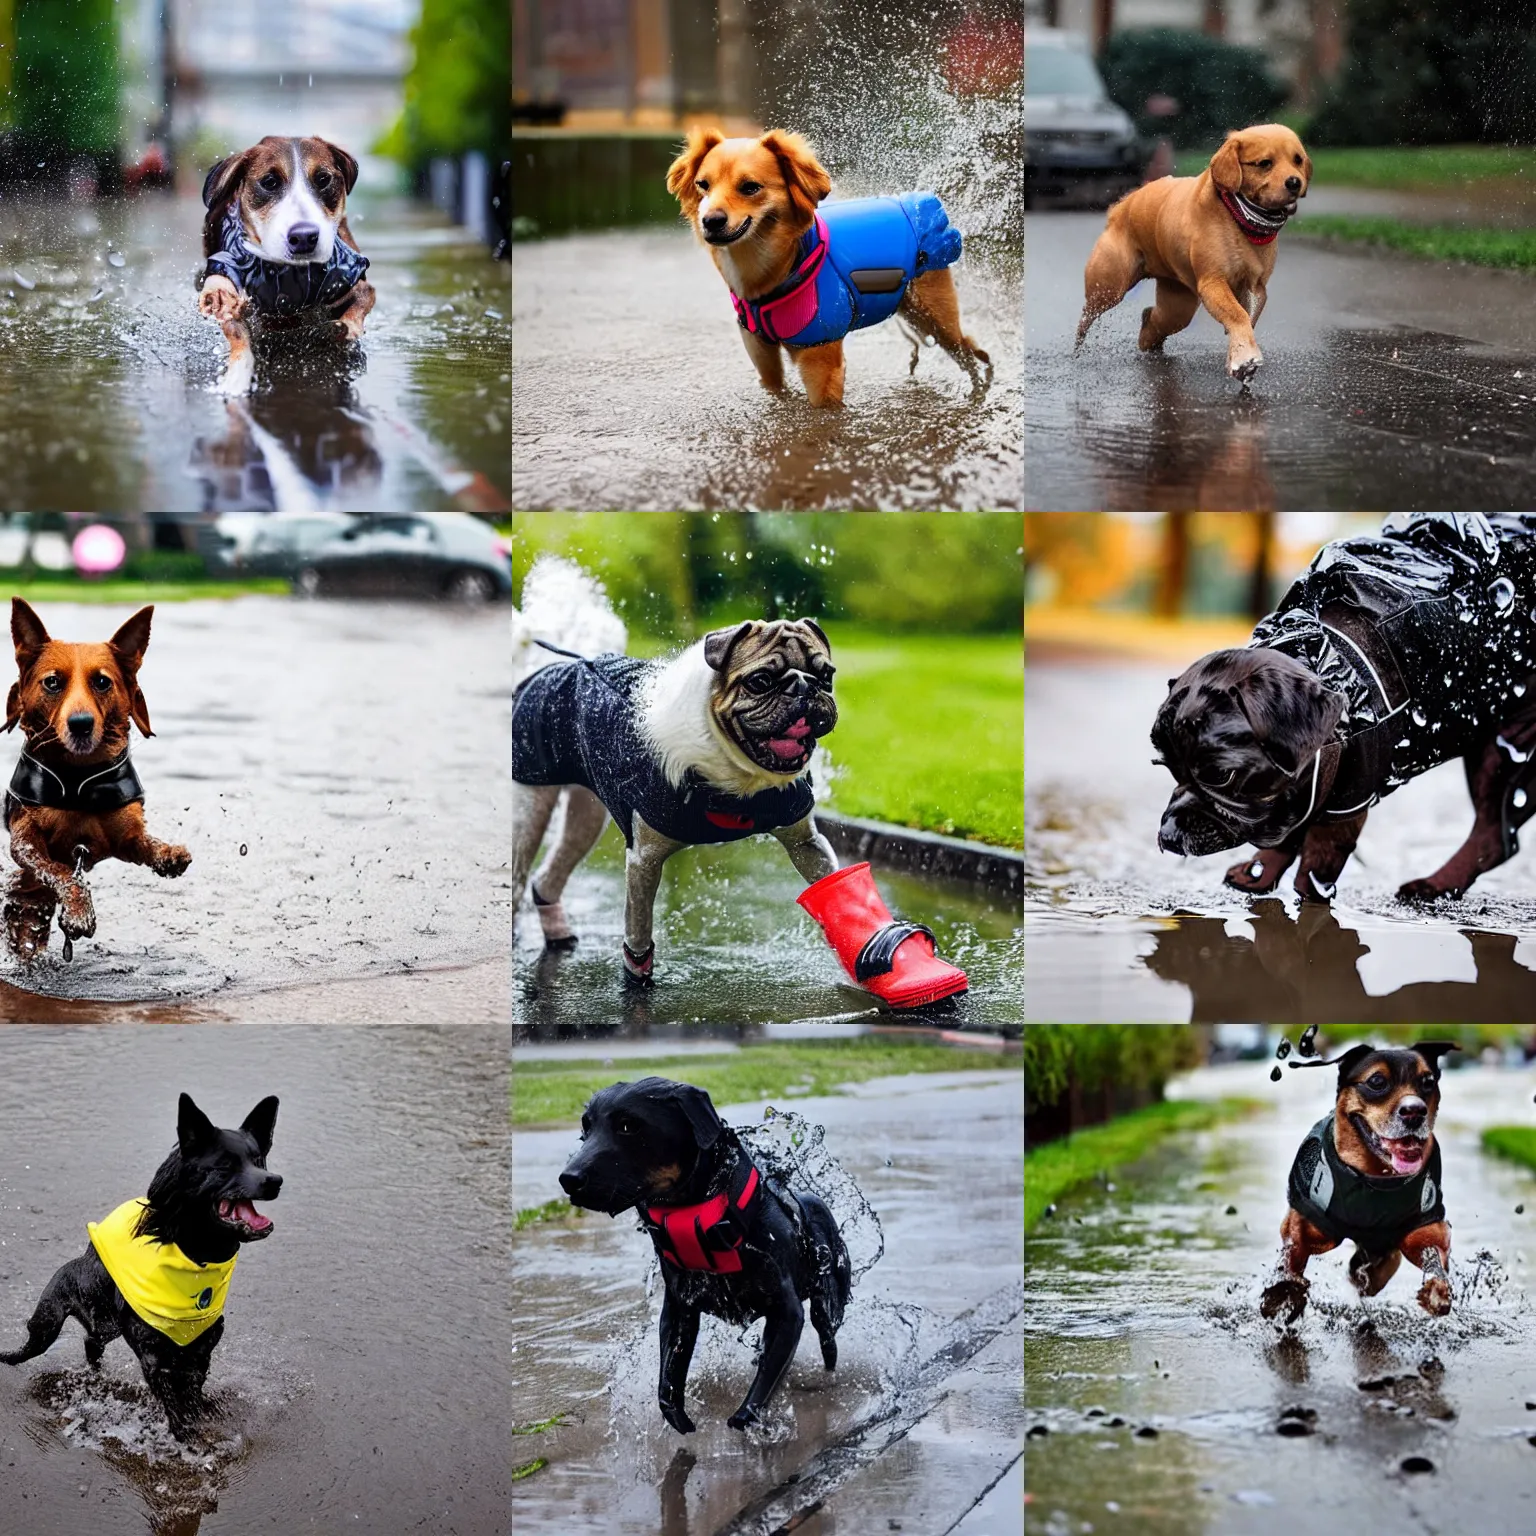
[
  {"x": 640, "y": 1143},
  {"x": 1241, "y": 731},
  {"x": 772, "y": 696},
  {"x": 203, "y": 1192},
  {"x": 292, "y": 197},
  {"x": 77, "y": 699},
  {"x": 1386, "y": 1106},
  {"x": 760, "y": 191},
  {"x": 1265, "y": 164}
]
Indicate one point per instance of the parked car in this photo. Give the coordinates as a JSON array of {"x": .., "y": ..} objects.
[
  {"x": 274, "y": 543},
  {"x": 1078, "y": 145},
  {"x": 438, "y": 554}
]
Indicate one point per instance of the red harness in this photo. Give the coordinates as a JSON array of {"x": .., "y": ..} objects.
[
  {"x": 1254, "y": 233},
  {"x": 705, "y": 1236}
]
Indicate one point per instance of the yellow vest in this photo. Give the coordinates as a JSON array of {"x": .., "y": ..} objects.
[{"x": 166, "y": 1288}]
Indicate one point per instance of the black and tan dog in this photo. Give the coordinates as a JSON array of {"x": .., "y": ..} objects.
[
  {"x": 732, "y": 1242},
  {"x": 1370, "y": 1172}
]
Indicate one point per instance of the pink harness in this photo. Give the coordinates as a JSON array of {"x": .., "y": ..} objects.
[
  {"x": 703, "y": 1236},
  {"x": 787, "y": 309}
]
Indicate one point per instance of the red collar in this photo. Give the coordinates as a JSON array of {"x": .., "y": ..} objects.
[
  {"x": 1254, "y": 231},
  {"x": 708, "y": 1235}
]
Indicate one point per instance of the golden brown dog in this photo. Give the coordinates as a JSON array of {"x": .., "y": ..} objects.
[
  {"x": 750, "y": 201},
  {"x": 74, "y": 799},
  {"x": 1206, "y": 239}
]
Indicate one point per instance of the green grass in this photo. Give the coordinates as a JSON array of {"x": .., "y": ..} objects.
[
  {"x": 1050, "y": 1171},
  {"x": 1514, "y": 248},
  {"x": 1515, "y": 1142},
  {"x": 551, "y": 1210},
  {"x": 545, "y": 1092},
  {"x": 557, "y": 1422},
  {"x": 1417, "y": 168},
  {"x": 43, "y": 591}
]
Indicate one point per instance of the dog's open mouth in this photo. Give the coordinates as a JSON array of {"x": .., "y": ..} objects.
[
  {"x": 730, "y": 236},
  {"x": 244, "y": 1218},
  {"x": 788, "y": 751},
  {"x": 1405, "y": 1155}
]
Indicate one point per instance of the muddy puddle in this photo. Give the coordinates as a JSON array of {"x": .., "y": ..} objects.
[
  {"x": 1155, "y": 1392},
  {"x": 732, "y": 947},
  {"x": 1117, "y": 930},
  {"x": 933, "y": 1157},
  {"x": 106, "y": 367},
  {"x": 349, "y": 1395},
  {"x": 338, "y": 772}
]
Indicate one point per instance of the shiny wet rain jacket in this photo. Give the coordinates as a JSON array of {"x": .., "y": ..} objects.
[
  {"x": 283, "y": 288},
  {"x": 1428, "y": 629}
]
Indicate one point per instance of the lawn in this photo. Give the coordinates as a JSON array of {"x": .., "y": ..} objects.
[
  {"x": 1515, "y": 248},
  {"x": 1051, "y": 1170},
  {"x": 1515, "y": 1142},
  {"x": 1417, "y": 168},
  {"x": 107, "y": 591}
]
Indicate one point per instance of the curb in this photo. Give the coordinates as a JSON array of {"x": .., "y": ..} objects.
[{"x": 927, "y": 853}]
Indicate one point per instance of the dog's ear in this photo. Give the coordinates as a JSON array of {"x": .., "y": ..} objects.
[
  {"x": 1306, "y": 172},
  {"x": 13, "y": 707},
  {"x": 28, "y": 633},
  {"x": 345, "y": 164},
  {"x": 220, "y": 183},
  {"x": 128, "y": 645},
  {"x": 1433, "y": 1050},
  {"x": 1348, "y": 1062},
  {"x": 1290, "y": 715},
  {"x": 818, "y": 631},
  {"x": 261, "y": 1122},
  {"x": 702, "y": 1119},
  {"x": 683, "y": 171},
  {"x": 805, "y": 179},
  {"x": 1227, "y": 164},
  {"x": 194, "y": 1130},
  {"x": 719, "y": 643}
]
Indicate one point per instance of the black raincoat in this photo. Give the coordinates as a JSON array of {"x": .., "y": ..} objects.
[
  {"x": 1428, "y": 629},
  {"x": 284, "y": 288},
  {"x": 577, "y": 722},
  {"x": 1376, "y": 1213}
]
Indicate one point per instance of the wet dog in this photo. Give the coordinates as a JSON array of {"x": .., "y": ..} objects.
[
  {"x": 278, "y": 250},
  {"x": 1370, "y": 1172},
  {"x": 731, "y": 1241},
  {"x": 157, "y": 1270},
  {"x": 709, "y": 747},
  {"x": 1206, "y": 240},
  {"x": 74, "y": 799}
]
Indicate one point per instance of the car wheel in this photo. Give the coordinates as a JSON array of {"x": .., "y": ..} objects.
[
  {"x": 307, "y": 582},
  {"x": 470, "y": 587}
]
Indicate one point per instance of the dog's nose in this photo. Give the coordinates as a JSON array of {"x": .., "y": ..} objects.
[
  {"x": 82, "y": 724},
  {"x": 270, "y": 1186},
  {"x": 1411, "y": 1111},
  {"x": 303, "y": 238},
  {"x": 573, "y": 1183},
  {"x": 1293, "y": 183},
  {"x": 713, "y": 223},
  {"x": 1170, "y": 839}
]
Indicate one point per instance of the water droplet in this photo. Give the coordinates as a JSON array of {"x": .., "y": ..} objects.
[
  {"x": 116, "y": 259},
  {"x": 242, "y": 850},
  {"x": 1465, "y": 615},
  {"x": 24, "y": 282},
  {"x": 1418, "y": 717},
  {"x": 1283, "y": 1049},
  {"x": 1274, "y": 1074},
  {"x": 1512, "y": 752},
  {"x": 1404, "y": 742},
  {"x": 1519, "y": 690},
  {"x": 1307, "y": 1045},
  {"x": 1503, "y": 594},
  {"x": 1518, "y": 799}
]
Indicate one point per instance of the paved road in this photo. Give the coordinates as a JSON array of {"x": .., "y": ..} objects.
[{"x": 1388, "y": 383}]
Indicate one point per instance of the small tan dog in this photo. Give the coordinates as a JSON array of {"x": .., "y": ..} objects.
[{"x": 1206, "y": 239}]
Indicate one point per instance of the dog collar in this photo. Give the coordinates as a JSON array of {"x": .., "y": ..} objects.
[
  {"x": 707, "y": 1236},
  {"x": 1259, "y": 225},
  {"x": 788, "y": 308},
  {"x": 280, "y": 288},
  {"x": 89, "y": 788}
]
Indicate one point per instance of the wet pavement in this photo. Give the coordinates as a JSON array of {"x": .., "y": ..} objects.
[
  {"x": 1117, "y": 931},
  {"x": 732, "y": 948},
  {"x": 339, "y": 774},
  {"x": 106, "y": 368},
  {"x": 918, "y": 1424},
  {"x": 351, "y": 1396},
  {"x": 1155, "y": 1391},
  {"x": 1388, "y": 382}
]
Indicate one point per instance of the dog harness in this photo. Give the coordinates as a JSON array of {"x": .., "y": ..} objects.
[
  {"x": 1341, "y": 1202},
  {"x": 1259, "y": 225},
  {"x": 169, "y": 1291},
  {"x": 852, "y": 268},
  {"x": 577, "y": 722},
  {"x": 708, "y": 1235},
  {"x": 281, "y": 288},
  {"x": 90, "y": 789}
]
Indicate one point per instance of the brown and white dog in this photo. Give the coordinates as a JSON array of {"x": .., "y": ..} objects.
[{"x": 278, "y": 249}]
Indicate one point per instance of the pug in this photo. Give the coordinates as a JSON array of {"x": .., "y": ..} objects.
[{"x": 711, "y": 746}]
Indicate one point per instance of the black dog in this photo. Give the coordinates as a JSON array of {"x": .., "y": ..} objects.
[
  {"x": 1391, "y": 654},
  {"x": 731, "y": 1241},
  {"x": 173, "y": 1253}
]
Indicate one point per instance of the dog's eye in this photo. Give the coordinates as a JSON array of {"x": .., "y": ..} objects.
[
  {"x": 1209, "y": 779},
  {"x": 271, "y": 181},
  {"x": 53, "y": 683},
  {"x": 624, "y": 1127},
  {"x": 1376, "y": 1082},
  {"x": 101, "y": 683},
  {"x": 703, "y": 186},
  {"x": 750, "y": 188},
  {"x": 321, "y": 178},
  {"x": 1264, "y": 165},
  {"x": 760, "y": 682}
]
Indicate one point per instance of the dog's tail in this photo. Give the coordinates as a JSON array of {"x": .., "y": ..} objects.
[{"x": 569, "y": 608}]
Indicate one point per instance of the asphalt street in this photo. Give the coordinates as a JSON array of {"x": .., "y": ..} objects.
[{"x": 1388, "y": 383}]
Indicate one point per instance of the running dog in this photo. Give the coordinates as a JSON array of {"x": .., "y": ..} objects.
[
  {"x": 157, "y": 1270},
  {"x": 278, "y": 250},
  {"x": 74, "y": 798},
  {"x": 731, "y": 1241},
  {"x": 1206, "y": 239},
  {"x": 1370, "y": 1172}
]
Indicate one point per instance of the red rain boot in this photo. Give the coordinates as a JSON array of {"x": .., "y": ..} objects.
[{"x": 895, "y": 960}]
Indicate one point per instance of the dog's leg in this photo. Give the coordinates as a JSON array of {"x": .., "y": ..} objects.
[
  {"x": 1243, "y": 355},
  {"x": 782, "y": 1327},
  {"x": 642, "y": 877},
  {"x": 1430, "y": 1249},
  {"x": 1172, "y": 310},
  {"x": 932, "y": 306},
  {"x": 349, "y": 321},
  {"x": 580, "y": 827},
  {"x": 821, "y": 371},
  {"x": 57, "y": 1303},
  {"x": 532, "y": 807},
  {"x": 1114, "y": 268},
  {"x": 1262, "y": 872},
  {"x": 679, "y": 1333},
  {"x": 168, "y": 860},
  {"x": 767, "y": 358},
  {"x": 808, "y": 850},
  {"x": 1324, "y": 854},
  {"x": 1368, "y": 1275},
  {"x": 78, "y": 913},
  {"x": 1299, "y": 1241},
  {"x": 222, "y": 301},
  {"x": 29, "y": 909}
]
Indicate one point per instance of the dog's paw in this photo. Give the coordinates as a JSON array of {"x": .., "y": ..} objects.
[
  {"x": 1425, "y": 890},
  {"x": 676, "y": 1415},
  {"x": 1288, "y": 1295},
  {"x": 744, "y": 1418},
  {"x": 348, "y": 327},
  {"x": 1242, "y": 365},
  {"x": 238, "y": 377},
  {"x": 1150, "y": 339},
  {"x": 172, "y": 860},
  {"x": 1435, "y": 1296},
  {"x": 77, "y": 913},
  {"x": 220, "y": 300},
  {"x": 638, "y": 969},
  {"x": 1241, "y": 877},
  {"x": 27, "y": 927}
]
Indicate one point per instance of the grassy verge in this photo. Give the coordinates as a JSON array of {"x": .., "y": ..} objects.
[
  {"x": 1420, "y": 168},
  {"x": 1050, "y": 1171},
  {"x": 1512, "y": 248},
  {"x": 555, "y": 1091},
  {"x": 1515, "y": 1142},
  {"x": 140, "y": 591}
]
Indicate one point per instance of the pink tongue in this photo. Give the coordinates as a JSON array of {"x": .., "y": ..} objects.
[
  {"x": 782, "y": 746},
  {"x": 1404, "y": 1159},
  {"x": 244, "y": 1211}
]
